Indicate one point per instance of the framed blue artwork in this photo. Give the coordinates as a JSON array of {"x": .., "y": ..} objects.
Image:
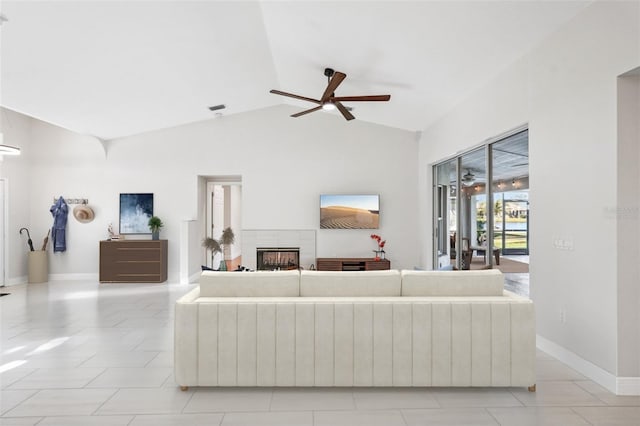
[{"x": 135, "y": 212}]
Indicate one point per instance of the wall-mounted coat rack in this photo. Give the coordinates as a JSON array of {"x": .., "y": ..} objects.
[{"x": 72, "y": 200}]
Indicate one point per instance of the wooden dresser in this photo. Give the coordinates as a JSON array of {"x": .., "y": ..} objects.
[
  {"x": 351, "y": 264},
  {"x": 133, "y": 261}
]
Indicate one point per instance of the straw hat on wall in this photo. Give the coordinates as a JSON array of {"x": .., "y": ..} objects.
[{"x": 83, "y": 213}]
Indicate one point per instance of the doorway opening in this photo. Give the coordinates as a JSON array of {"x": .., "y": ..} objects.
[
  {"x": 3, "y": 242},
  {"x": 471, "y": 232},
  {"x": 224, "y": 210}
]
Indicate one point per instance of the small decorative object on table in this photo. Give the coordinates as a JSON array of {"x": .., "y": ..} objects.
[
  {"x": 112, "y": 235},
  {"x": 380, "y": 253}
]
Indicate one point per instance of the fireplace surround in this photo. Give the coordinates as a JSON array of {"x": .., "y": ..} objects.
[{"x": 304, "y": 239}]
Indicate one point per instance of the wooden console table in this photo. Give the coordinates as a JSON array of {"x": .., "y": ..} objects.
[
  {"x": 351, "y": 264},
  {"x": 133, "y": 261}
]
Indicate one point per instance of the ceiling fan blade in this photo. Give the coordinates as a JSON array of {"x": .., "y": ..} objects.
[
  {"x": 291, "y": 95},
  {"x": 298, "y": 114},
  {"x": 347, "y": 115},
  {"x": 333, "y": 84},
  {"x": 361, "y": 98}
]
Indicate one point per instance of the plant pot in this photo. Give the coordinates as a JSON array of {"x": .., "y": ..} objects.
[
  {"x": 223, "y": 266},
  {"x": 155, "y": 235}
]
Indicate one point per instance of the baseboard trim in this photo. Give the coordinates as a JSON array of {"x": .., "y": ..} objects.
[
  {"x": 54, "y": 277},
  {"x": 617, "y": 385},
  {"x": 74, "y": 277},
  {"x": 17, "y": 280},
  {"x": 628, "y": 386}
]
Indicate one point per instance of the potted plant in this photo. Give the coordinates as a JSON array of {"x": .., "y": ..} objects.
[
  {"x": 226, "y": 239},
  {"x": 213, "y": 245},
  {"x": 218, "y": 246},
  {"x": 155, "y": 224}
]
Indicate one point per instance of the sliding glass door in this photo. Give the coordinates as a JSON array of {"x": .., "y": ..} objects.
[
  {"x": 511, "y": 222},
  {"x": 445, "y": 212},
  {"x": 473, "y": 190},
  {"x": 466, "y": 224},
  {"x": 459, "y": 218},
  {"x": 511, "y": 194}
]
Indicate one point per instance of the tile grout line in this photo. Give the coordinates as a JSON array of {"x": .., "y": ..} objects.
[
  {"x": 495, "y": 419},
  {"x": 579, "y": 415}
]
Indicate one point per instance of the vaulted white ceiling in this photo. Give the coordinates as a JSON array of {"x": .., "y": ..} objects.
[{"x": 115, "y": 68}]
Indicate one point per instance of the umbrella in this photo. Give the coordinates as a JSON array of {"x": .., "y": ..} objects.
[
  {"x": 46, "y": 240},
  {"x": 29, "y": 238}
]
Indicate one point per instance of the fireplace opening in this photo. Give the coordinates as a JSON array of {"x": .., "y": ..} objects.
[{"x": 270, "y": 259}]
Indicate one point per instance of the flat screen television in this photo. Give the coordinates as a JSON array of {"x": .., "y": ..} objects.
[{"x": 349, "y": 211}]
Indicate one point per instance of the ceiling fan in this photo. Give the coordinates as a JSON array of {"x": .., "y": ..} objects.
[
  {"x": 468, "y": 178},
  {"x": 329, "y": 100}
]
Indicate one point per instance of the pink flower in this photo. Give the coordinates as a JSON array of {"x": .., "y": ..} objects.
[{"x": 378, "y": 240}]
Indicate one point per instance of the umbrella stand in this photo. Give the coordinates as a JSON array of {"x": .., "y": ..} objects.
[{"x": 38, "y": 267}]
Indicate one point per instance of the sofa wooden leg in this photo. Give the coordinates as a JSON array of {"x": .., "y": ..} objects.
[
  {"x": 532, "y": 388},
  {"x": 184, "y": 388}
]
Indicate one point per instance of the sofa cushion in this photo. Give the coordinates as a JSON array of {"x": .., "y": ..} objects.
[
  {"x": 248, "y": 284},
  {"x": 488, "y": 282},
  {"x": 349, "y": 283}
]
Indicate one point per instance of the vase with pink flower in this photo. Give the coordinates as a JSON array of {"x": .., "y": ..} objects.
[{"x": 379, "y": 253}]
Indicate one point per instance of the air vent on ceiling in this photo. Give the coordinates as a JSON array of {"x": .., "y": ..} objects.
[{"x": 217, "y": 107}]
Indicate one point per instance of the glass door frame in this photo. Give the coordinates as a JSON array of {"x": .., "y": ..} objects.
[
  {"x": 440, "y": 214},
  {"x": 438, "y": 222},
  {"x": 503, "y": 219},
  {"x": 489, "y": 193}
]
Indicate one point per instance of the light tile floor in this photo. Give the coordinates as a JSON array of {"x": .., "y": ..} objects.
[
  {"x": 82, "y": 353},
  {"x": 515, "y": 281}
]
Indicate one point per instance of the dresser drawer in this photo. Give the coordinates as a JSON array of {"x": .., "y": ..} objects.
[{"x": 133, "y": 261}]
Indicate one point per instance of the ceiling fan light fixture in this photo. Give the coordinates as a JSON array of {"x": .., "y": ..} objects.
[
  {"x": 328, "y": 106},
  {"x": 468, "y": 178}
]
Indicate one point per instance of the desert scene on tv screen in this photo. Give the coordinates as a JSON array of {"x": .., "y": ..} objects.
[{"x": 349, "y": 212}]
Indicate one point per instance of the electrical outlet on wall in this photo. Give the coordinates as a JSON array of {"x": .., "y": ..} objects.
[{"x": 563, "y": 243}]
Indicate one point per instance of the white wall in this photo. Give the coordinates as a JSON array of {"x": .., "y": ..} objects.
[
  {"x": 628, "y": 227},
  {"x": 284, "y": 163},
  {"x": 566, "y": 90},
  {"x": 16, "y": 131},
  {"x": 236, "y": 219}
]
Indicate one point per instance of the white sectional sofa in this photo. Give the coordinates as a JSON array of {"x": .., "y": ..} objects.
[{"x": 374, "y": 328}]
